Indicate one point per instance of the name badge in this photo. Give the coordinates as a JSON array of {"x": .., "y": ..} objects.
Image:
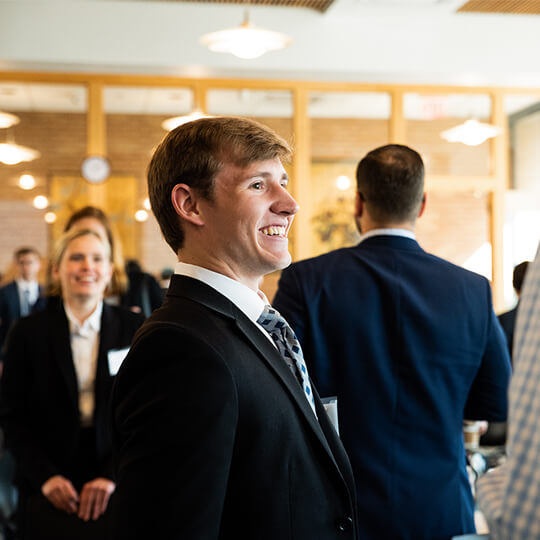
[{"x": 115, "y": 358}]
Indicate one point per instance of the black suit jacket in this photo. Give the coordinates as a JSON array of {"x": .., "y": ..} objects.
[
  {"x": 213, "y": 436},
  {"x": 10, "y": 308},
  {"x": 39, "y": 408},
  {"x": 508, "y": 322}
]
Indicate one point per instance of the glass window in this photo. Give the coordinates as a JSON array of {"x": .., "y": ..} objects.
[
  {"x": 428, "y": 116},
  {"x": 455, "y": 226},
  {"x": 522, "y": 203},
  {"x": 134, "y": 123},
  {"x": 344, "y": 127},
  {"x": 51, "y": 120}
]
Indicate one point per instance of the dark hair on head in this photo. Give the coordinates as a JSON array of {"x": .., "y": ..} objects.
[
  {"x": 194, "y": 153},
  {"x": 26, "y": 250},
  {"x": 519, "y": 275},
  {"x": 390, "y": 180},
  {"x": 91, "y": 212}
]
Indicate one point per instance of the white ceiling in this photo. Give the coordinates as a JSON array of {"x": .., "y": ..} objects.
[{"x": 398, "y": 41}]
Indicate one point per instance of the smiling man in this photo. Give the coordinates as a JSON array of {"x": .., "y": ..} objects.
[{"x": 218, "y": 431}]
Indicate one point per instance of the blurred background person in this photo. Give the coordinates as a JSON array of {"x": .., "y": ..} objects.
[
  {"x": 496, "y": 431},
  {"x": 130, "y": 286},
  {"x": 144, "y": 293},
  {"x": 508, "y": 318},
  {"x": 24, "y": 294},
  {"x": 59, "y": 370},
  {"x": 95, "y": 219}
]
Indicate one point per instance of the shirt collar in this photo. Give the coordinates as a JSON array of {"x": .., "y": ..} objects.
[
  {"x": 388, "y": 232},
  {"x": 247, "y": 300},
  {"x": 32, "y": 286},
  {"x": 91, "y": 324}
]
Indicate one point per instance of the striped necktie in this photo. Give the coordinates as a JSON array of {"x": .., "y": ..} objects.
[
  {"x": 289, "y": 348},
  {"x": 25, "y": 303}
]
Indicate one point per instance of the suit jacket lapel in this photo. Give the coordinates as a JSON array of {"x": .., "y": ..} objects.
[
  {"x": 206, "y": 295},
  {"x": 61, "y": 347},
  {"x": 280, "y": 368},
  {"x": 14, "y": 300},
  {"x": 109, "y": 329}
]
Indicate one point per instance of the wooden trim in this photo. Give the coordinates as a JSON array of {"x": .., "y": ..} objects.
[
  {"x": 96, "y": 142},
  {"x": 398, "y": 124},
  {"x": 300, "y": 187},
  {"x": 499, "y": 148},
  {"x": 167, "y": 80}
]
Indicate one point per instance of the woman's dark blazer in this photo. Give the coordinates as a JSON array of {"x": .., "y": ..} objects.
[{"x": 39, "y": 408}]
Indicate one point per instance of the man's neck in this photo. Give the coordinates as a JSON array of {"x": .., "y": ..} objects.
[{"x": 366, "y": 224}]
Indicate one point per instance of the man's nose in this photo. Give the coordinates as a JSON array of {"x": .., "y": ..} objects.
[{"x": 286, "y": 203}]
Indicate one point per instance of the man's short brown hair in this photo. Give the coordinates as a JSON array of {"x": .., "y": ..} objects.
[
  {"x": 194, "y": 153},
  {"x": 390, "y": 179},
  {"x": 26, "y": 250}
]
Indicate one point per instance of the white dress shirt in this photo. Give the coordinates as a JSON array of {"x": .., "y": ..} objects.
[
  {"x": 28, "y": 292},
  {"x": 84, "y": 340},
  {"x": 388, "y": 232},
  {"x": 248, "y": 301}
]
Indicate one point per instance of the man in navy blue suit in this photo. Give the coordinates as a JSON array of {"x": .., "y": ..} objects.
[
  {"x": 410, "y": 345},
  {"x": 23, "y": 295}
]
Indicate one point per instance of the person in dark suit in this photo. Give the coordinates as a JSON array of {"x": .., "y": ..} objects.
[
  {"x": 508, "y": 318},
  {"x": 410, "y": 345},
  {"x": 218, "y": 433},
  {"x": 144, "y": 293},
  {"x": 59, "y": 369},
  {"x": 24, "y": 295}
]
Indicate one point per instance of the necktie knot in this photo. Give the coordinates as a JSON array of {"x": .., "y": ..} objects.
[{"x": 289, "y": 347}]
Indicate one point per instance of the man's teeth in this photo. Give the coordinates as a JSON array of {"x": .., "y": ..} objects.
[{"x": 274, "y": 231}]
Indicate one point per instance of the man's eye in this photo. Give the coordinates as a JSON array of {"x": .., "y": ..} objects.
[{"x": 257, "y": 185}]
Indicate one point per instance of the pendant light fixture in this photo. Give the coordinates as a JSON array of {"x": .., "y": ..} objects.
[
  {"x": 245, "y": 41},
  {"x": 11, "y": 153},
  {"x": 471, "y": 132}
]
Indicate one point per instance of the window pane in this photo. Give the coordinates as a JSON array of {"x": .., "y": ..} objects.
[
  {"x": 344, "y": 127},
  {"x": 429, "y": 115},
  {"x": 52, "y": 120},
  {"x": 455, "y": 226},
  {"x": 134, "y": 118}
]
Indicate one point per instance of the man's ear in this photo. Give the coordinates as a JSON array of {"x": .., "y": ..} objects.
[
  {"x": 423, "y": 205},
  {"x": 186, "y": 203},
  {"x": 358, "y": 206}
]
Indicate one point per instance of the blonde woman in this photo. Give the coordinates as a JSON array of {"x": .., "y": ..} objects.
[{"x": 58, "y": 374}]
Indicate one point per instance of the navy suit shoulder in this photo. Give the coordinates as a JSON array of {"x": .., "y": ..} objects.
[{"x": 409, "y": 344}]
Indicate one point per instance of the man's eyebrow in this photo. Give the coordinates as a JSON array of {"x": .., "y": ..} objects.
[{"x": 266, "y": 174}]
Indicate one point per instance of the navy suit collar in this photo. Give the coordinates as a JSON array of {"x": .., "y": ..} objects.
[{"x": 390, "y": 241}]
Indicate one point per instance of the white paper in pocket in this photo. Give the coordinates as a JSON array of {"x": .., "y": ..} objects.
[{"x": 115, "y": 358}]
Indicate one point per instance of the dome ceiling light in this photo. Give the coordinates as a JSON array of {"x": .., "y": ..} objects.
[{"x": 245, "y": 41}]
